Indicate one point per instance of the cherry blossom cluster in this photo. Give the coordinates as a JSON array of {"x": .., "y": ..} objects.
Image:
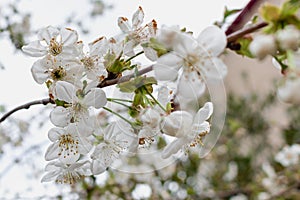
[{"x": 76, "y": 78}]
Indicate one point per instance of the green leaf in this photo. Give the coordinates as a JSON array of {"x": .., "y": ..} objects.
[
  {"x": 244, "y": 47},
  {"x": 228, "y": 12},
  {"x": 290, "y": 8},
  {"x": 136, "y": 83}
]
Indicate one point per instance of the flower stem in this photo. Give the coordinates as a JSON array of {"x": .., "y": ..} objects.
[
  {"x": 136, "y": 55},
  {"x": 120, "y": 116},
  {"x": 116, "y": 99},
  {"x": 157, "y": 102},
  {"x": 120, "y": 103}
]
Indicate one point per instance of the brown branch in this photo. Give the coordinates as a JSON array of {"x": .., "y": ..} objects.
[
  {"x": 238, "y": 34},
  {"x": 244, "y": 16},
  {"x": 26, "y": 106},
  {"x": 124, "y": 78}
]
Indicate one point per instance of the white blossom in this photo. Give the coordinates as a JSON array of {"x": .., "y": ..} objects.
[
  {"x": 68, "y": 144},
  {"x": 67, "y": 174},
  {"x": 54, "y": 42},
  {"x": 79, "y": 103},
  {"x": 117, "y": 137},
  {"x": 288, "y": 38},
  {"x": 189, "y": 130},
  {"x": 289, "y": 155}
]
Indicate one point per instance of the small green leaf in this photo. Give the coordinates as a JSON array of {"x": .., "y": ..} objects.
[
  {"x": 228, "y": 13},
  {"x": 269, "y": 12}
]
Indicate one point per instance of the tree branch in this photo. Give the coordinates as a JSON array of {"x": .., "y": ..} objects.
[
  {"x": 238, "y": 34},
  {"x": 26, "y": 106},
  {"x": 106, "y": 83},
  {"x": 244, "y": 16}
]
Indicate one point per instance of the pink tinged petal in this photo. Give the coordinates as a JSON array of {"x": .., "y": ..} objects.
[
  {"x": 190, "y": 85},
  {"x": 138, "y": 18},
  {"x": 55, "y": 133},
  {"x": 150, "y": 53},
  {"x": 123, "y": 24},
  {"x": 65, "y": 91},
  {"x": 35, "y": 49},
  {"x": 40, "y": 70},
  {"x": 98, "y": 167},
  {"x": 213, "y": 39},
  {"x": 60, "y": 116},
  {"x": 52, "y": 152},
  {"x": 177, "y": 124},
  {"x": 68, "y": 36},
  {"x": 50, "y": 176},
  {"x": 167, "y": 67},
  {"x": 204, "y": 113},
  {"x": 48, "y": 33},
  {"x": 174, "y": 147},
  {"x": 96, "y": 98}
]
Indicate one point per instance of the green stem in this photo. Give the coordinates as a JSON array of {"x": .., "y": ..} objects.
[
  {"x": 114, "y": 99},
  {"x": 117, "y": 114},
  {"x": 163, "y": 108},
  {"x": 136, "y": 55},
  {"x": 120, "y": 103}
]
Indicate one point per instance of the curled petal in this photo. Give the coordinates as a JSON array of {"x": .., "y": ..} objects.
[
  {"x": 177, "y": 123},
  {"x": 204, "y": 113}
]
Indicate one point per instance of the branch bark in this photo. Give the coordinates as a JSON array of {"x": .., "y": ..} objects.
[{"x": 26, "y": 106}]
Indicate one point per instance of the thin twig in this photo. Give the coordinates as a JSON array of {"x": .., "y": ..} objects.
[
  {"x": 124, "y": 78},
  {"x": 238, "y": 34},
  {"x": 244, "y": 16},
  {"x": 25, "y": 106}
]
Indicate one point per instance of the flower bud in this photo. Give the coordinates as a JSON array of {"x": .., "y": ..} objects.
[
  {"x": 289, "y": 91},
  {"x": 262, "y": 46},
  {"x": 288, "y": 38}
]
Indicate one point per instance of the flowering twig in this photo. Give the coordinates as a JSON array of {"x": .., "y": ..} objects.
[
  {"x": 244, "y": 16},
  {"x": 26, "y": 106},
  {"x": 231, "y": 38}
]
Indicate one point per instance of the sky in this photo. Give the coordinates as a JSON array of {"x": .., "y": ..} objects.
[{"x": 17, "y": 85}]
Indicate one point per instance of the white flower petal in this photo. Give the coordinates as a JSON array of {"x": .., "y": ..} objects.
[
  {"x": 52, "y": 152},
  {"x": 55, "y": 133},
  {"x": 213, "y": 39},
  {"x": 96, "y": 98},
  {"x": 40, "y": 70},
  {"x": 167, "y": 67},
  {"x": 173, "y": 147},
  {"x": 48, "y": 33},
  {"x": 35, "y": 49},
  {"x": 177, "y": 123},
  {"x": 97, "y": 167},
  {"x": 129, "y": 48},
  {"x": 123, "y": 24},
  {"x": 68, "y": 36},
  {"x": 68, "y": 157},
  {"x": 190, "y": 85},
  {"x": 60, "y": 116},
  {"x": 289, "y": 91},
  {"x": 65, "y": 91},
  {"x": 98, "y": 47},
  {"x": 50, "y": 176},
  {"x": 204, "y": 113},
  {"x": 137, "y": 18},
  {"x": 150, "y": 53}
]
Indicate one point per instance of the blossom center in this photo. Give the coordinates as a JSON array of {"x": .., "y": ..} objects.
[
  {"x": 191, "y": 60},
  {"x": 198, "y": 139},
  {"x": 59, "y": 73},
  {"x": 68, "y": 145},
  {"x": 69, "y": 178},
  {"x": 55, "y": 48},
  {"x": 88, "y": 63}
]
